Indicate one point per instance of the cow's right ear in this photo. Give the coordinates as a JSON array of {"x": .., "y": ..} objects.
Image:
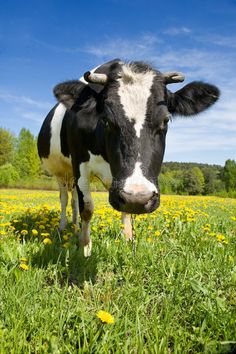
[
  {"x": 67, "y": 92},
  {"x": 192, "y": 98}
]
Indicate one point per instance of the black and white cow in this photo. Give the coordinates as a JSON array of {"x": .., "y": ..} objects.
[{"x": 112, "y": 124}]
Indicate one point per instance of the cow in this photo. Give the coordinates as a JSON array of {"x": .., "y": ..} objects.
[{"x": 112, "y": 124}]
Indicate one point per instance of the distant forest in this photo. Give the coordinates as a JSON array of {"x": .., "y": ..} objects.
[{"x": 20, "y": 167}]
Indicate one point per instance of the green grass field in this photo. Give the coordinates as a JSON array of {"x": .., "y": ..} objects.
[{"x": 172, "y": 291}]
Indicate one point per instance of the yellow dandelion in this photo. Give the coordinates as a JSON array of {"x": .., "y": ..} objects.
[
  {"x": 34, "y": 232},
  {"x": 23, "y": 266},
  {"x": 24, "y": 232},
  {"x": 47, "y": 241},
  {"x": 23, "y": 260},
  {"x": 157, "y": 233},
  {"x": 66, "y": 245},
  {"x": 105, "y": 317},
  {"x": 45, "y": 234}
]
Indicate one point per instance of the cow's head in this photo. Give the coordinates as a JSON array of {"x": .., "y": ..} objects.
[{"x": 134, "y": 108}]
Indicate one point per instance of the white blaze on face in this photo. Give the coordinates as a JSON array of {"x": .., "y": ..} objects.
[
  {"x": 138, "y": 183},
  {"x": 134, "y": 91}
]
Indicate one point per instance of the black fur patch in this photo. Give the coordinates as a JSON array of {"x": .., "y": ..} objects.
[{"x": 44, "y": 136}]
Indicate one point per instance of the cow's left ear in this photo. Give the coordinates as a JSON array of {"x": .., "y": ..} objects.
[
  {"x": 67, "y": 92},
  {"x": 192, "y": 98}
]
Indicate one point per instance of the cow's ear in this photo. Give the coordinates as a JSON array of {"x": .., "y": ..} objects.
[
  {"x": 192, "y": 98},
  {"x": 67, "y": 92}
]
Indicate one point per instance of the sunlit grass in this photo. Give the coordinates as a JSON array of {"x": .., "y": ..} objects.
[{"x": 173, "y": 291}]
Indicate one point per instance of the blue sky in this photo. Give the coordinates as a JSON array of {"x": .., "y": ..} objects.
[{"x": 48, "y": 41}]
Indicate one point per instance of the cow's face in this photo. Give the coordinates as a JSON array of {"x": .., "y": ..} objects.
[
  {"x": 134, "y": 108},
  {"x": 135, "y": 116}
]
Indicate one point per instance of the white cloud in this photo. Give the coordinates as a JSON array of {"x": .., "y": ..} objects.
[
  {"x": 175, "y": 31},
  {"x": 24, "y": 100},
  {"x": 124, "y": 48}
]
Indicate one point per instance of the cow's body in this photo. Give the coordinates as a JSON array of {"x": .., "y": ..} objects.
[{"x": 112, "y": 125}]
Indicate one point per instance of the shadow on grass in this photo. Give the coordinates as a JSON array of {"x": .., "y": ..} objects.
[
  {"x": 67, "y": 265},
  {"x": 63, "y": 259}
]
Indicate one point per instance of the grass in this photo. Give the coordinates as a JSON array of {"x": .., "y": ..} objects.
[{"x": 174, "y": 291}]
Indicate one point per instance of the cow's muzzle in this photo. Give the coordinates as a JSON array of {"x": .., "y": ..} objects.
[{"x": 135, "y": 203}]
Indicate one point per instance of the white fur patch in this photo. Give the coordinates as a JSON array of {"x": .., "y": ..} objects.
[
  {"x": 137, "y": 182},
  {"x": 134, "y": 91},
  {"x": 97, "y": 167},
  {"x": 57, "y": 164}
]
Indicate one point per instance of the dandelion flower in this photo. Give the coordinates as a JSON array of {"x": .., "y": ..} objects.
[
  {"x": 105, "y": 317},
  {"x": 34, "y": 232},
  {"x": 24, "y": 232},
  {"x": 47, "y": 241},
  {"x": 23, "y": 266}
]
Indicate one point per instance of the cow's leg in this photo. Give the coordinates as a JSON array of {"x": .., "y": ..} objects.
[
  {"x": 126, "y": 221},
  {"x": 85, "y": 208},
  {"x": 64, "y": 201},
  {"x": 74, "y": 206}
]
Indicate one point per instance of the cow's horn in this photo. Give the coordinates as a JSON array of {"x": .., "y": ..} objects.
[
  {"x": 95, "y": 78},
  {"x": 172, "y": 77}
]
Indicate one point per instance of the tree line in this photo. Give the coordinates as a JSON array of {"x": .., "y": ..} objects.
[{"x": 20, "y": 164}]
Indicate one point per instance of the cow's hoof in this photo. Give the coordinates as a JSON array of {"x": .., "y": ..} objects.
[{"x": 88, "y": 249}]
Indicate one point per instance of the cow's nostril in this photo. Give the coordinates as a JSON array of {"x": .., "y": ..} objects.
[{"x": 138, "y": 198}]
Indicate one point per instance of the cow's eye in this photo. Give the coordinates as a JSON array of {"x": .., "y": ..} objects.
[
  {"x": 166, "y": 120},
  {"x": 162, "y": 127}
]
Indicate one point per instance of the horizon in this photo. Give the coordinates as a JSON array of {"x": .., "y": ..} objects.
[{"x": 50, "y": 42}]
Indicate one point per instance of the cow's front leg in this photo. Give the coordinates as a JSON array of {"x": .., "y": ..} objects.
[
  {"x": 75, "y": 207},
  {"x": 127, "y": 230},
  {"x": 85, "y": 208},
  {"x": 63, "y": 200}
]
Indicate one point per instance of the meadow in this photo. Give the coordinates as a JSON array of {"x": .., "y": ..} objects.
[{"x": 173, "y": 290}]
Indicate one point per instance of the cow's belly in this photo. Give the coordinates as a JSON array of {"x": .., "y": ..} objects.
[
  {"x": 58, "y": 165},
  {"x": 61, "y": 167}
]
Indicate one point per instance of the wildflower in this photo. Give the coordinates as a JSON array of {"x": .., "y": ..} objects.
[
  {"x": 47, "y": 241},
  {"x": 105, "y": 317},
  {"x": 149, "y": 239},
  {"x": 157, "y": 233},
  {"x": 24, "y": 232},
  {"x": 24, "y": 266},
  {"x": 66, "y": 245},
  {"x": 45, "y": 234},
  {"x": 34, "y": 232},
  {"x": 23, "y": 260},
  {"x": 221, "y": 238}
]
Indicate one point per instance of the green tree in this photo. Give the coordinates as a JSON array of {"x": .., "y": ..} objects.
[
  {"x": 8, "y": 175},
  {"x": 27, "y": 161},
  {"x": 194, "y": 181},
  {"x": 6, "y": 147},
  {"x": 229, "y": 175}
]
